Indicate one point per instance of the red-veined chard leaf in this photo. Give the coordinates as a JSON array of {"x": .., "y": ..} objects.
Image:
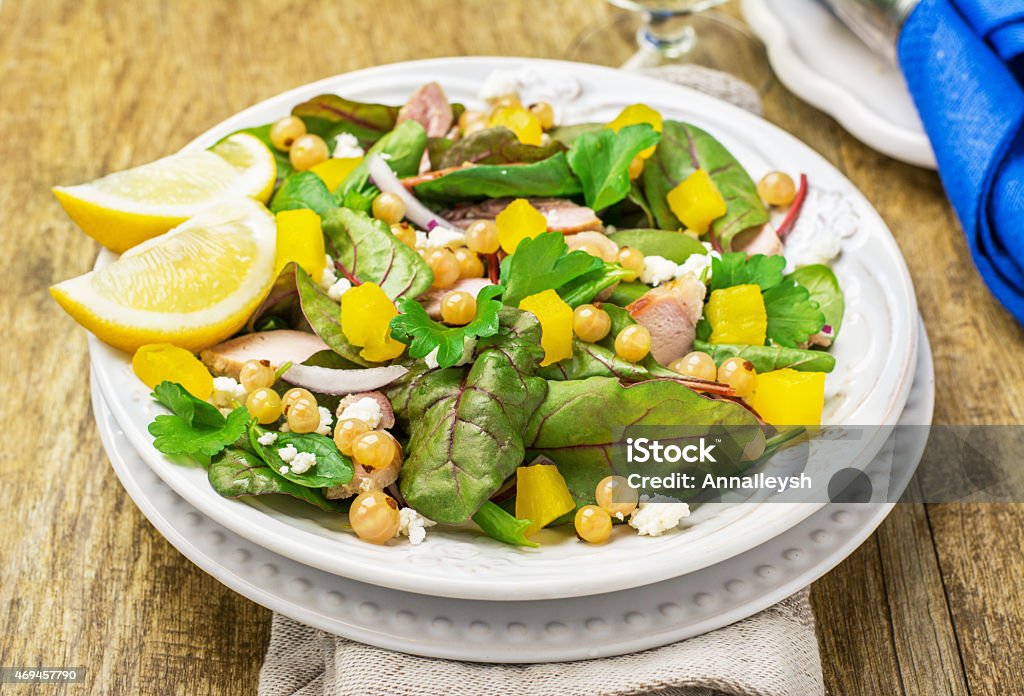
[
  {"x": 328, "y": 115},
  {"x": 495, "y": 146},
  {"x": 548, "y": 178},
  {"x": 324, "y": 316}
]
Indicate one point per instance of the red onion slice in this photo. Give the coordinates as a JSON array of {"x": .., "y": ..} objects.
[
  {"x": 388, "y": 182},
  {"x": 326, "y": 380}
]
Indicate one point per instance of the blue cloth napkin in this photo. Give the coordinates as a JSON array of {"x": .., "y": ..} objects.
[{"x": 964, "y": 63}]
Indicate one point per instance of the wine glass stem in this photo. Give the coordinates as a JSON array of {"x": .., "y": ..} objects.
[{"x": 669, "y": 33}]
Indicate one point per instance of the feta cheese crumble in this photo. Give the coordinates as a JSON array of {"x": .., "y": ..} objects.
[
  {"x": 267, "y": 438},
  {"x": 438, "y": 237},
  {"x": 328, "y": 277},
  {"x": 339, "y": 288},
  {"x": 413, "y": 525},
  {"x": 326, "y": 419},
  {"x": 303, "y": 462},
  {"x": 346, "y": 145},
  {"x": 365, "y": 409},
  {"x": 654, "y": 519},
  {"x": 284, "y": 469},
  {"x": 467, "y": 355},
  {"x": 287, "y": 453},
  {"x": 226, "y": 391},
  {"x": 658, "y": 269}
]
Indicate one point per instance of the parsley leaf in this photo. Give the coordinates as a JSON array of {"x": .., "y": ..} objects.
[
  {"x": 736, "y": 269},
  {"x": 423, "y": 334},
  {"x": 196, "y": 428},
  {"x": 600, "y": 159},
  {"x": 541, "y": 264},
  {"x": 793, "y": 316}
]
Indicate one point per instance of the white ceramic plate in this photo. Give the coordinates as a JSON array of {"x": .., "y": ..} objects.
[
  {"x": 826, "y": 65},
  {"x": 541, "y": 631},
  {"x": 876, "y": 354}
]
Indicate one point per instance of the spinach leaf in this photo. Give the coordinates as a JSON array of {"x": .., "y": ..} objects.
[
  {"x": 402, "y": 148},
  {"x": 600, "y": 159},
  {"x": 824, "y": 289},
  {"x": 303, "y": 190},
  {"x": 369, "y": 251},
  {"x": 625, "y": 293},
  {"x": 196, "y": 427},
  {"x": 569, "y": 134},
  {"x": 327, "y": 115},
  {"x": 542, "y": 263},
  {"x": 587, "y": 286},
  {"x": 284, "y": 165},
  {"x": 495, "y": 146},
  {"x": 423, "y": 335},
  {"x": 238, "y": 473},
  {"x": 500, "y": 525},
  {"x": 684, "y": 149},
  {"x": 324, "y": 317},
  {"x": 549, "y": 178},
  {"x": 592, "y": 360},
  {"x": 467, "y": 424},
  {"x": 793, "y": 317},
  {"x": 569, "y": 431},
  {"x": 768, "y": 358},
  {"x": 674, "y": 246},
  {"x": 332, "y": 468}
]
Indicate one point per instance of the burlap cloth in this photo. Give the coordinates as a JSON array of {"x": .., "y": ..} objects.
[{"x": 773, "y": 653}]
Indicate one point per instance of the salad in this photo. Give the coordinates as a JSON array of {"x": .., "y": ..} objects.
[{"x": 441, "y": 314}]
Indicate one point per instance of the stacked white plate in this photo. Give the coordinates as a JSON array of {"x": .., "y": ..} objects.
[{"x": 461, "y": 595}]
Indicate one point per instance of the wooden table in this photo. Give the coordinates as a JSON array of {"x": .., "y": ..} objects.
[{"x": 932, "y": 603}]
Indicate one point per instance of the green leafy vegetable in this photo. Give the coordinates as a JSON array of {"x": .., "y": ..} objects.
[
  {"x": 542, "y": 263},
  {"x": 600, "y": 159},
  {"x": 569, "y": 134},
  {"x": 403, "y": 148},
  {"x": 303, "y": 190},
  {"x": 327, "y": 115},
  {"x": 824, "y": 289},
  {"x": 332, "y": 468},
  {"x": 737, "y": 269},
  {"x": 238, "y": 473},
  {"x": 768, "y": 358},
  {"x": 684, "y": 149},
  {"x": 792, "y": 316},
  {"x": 324, "y": 316},
  {"x": 467, "y": 424},
  {"x": 569, "y": 431},
  {"x": 674, "y": 246},
  {"x": 625, "y": 293},
  {"x": 414, "y": 328},
  {"x": 592, "y": 360},
  {"x": 587, "y": 286},
  {"x": 196, "y": 427},
  {"x": 549, "y": 178},
  {"x": 502, "y": 526},
  {"x": 495, "y": 146},
  {"x": 369, "y": 251}
]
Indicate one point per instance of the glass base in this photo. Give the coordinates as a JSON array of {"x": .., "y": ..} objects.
[{"x": 709, "y": 39}]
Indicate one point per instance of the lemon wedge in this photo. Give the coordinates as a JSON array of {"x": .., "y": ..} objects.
[
  {"x": 192, "y": 287},
  {"x": 129, "y": 207}
]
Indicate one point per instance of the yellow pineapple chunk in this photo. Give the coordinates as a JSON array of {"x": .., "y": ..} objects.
[
  {"x": 790, "y": 397},
  {"x": 541, "y": 496},
  {"x": 737, "y": 315}
]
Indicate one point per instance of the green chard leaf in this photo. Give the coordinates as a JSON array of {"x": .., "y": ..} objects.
[
  {"x": 824, "y": 288},
  {"x": 569, "y": 431},
  {"x": 768, "y": 358},
  {"x": 542, "y": 263},
  {"x": 237, "y": 473},
  {"x": 672, "y": 245},
  {"x": 369, "y": 251},
  {"x": 683, "y": 149},
  {"x": 196, "y": 427},
  {"x": 600, "y": 159},
  {"x": 423, "y": 335},
  {"x": 303, "y": 190},
  {"x": 499, "y": 524},
  {"x": 327, "y": 115},
  {"x": 549, "y": 178},
  {"x": 592, "y": 360},
  {"x": 495, "y": 146},
  {"x": 324, "y": 316},
  {"x": 332, "y": 468},
  {"x": 467, "y": 423},
  {"x": 402, "y": 148}
]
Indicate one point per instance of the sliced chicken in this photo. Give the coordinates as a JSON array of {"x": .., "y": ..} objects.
[
  {"x": 671, "y": 312},
  {"x": 276, "y": 347},
  {"x": 430, "y": 108},
  {"x": 387, "y": 413},
  {"x": 762, "y": 240},
  {"x": 562, "y": 215},
  {"x": 431, "y": 299}
]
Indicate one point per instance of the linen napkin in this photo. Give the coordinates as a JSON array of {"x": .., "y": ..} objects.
[
  {"x": 963, "y": 61},
  {"x": 773, "y": 653}
]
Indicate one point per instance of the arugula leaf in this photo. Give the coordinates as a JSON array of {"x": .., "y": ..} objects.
[
  {"x": 549, "y": 178},
  {"x": 737, "y": 269},
  {"x": 793, "y": 317},
  {"x": 303, "y": 190},
  {"x": 402, "y": 148},
  {"x": 238, "y": 473},
  {"x": 369, "y": 251},
  {"x": 541, "y": 264},
  {"x": 324, "y": 316},
  {"x": 500, "y": 525},
  {"x": 327, "y": 115},
  {"x": 332, "y": 468},
  {"x": 196, "y": 428},
  {"x": 600, "y": 159},
  {"x": 768, "y": 358},
  {"x": 414, "y": 328},
  {"x": 823, "y": 285},
  {"x": 494, "y": 146},
  {"x": 672, "y": 245}
]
